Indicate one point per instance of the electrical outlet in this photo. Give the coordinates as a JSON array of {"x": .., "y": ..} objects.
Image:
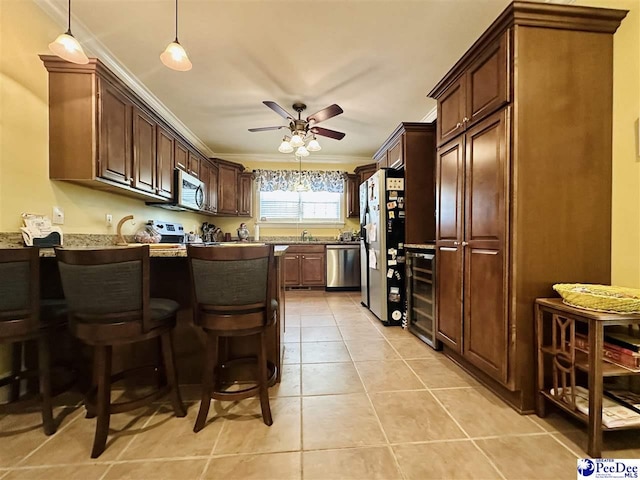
[
  {"x": 58, "y": 216},
  {"x": 109, "y": 220}
]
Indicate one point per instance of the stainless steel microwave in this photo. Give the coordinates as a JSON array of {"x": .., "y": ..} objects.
[{"x": 188, "y": 193}]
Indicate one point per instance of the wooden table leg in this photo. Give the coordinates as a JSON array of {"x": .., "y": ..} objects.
[{"x": 596, "y": 344}]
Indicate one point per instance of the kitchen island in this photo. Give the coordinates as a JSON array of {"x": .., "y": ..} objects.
[{"x": 170, "y": 278}]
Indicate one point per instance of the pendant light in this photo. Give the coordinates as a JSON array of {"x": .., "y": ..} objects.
[
  {"x": 67, "y": 47},
  {"x": 285, "y": 146},
  {"x": 174, "y": 56}
]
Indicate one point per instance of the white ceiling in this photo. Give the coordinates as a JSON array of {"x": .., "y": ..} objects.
[{"x": 377, "y": 59}]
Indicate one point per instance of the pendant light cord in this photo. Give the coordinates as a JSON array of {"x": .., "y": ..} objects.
[
  {"x": 69, "y": 20},
  {"x": 176, "y": 21}
]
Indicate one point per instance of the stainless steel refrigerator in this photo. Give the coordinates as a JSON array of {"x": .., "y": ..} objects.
[{"x": 382, "y": 245}]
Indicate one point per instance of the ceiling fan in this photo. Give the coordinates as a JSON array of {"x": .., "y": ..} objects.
[{"x": 302, "y": 130}]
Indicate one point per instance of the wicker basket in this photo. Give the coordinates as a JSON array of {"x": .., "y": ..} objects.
[{"x": 600, "y": 298}]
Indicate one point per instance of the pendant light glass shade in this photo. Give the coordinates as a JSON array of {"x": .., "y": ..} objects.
[
  {"x": 314, "y": 146},
  {"x": 285, "y": 147},
  {"x": 175, "y": 56},
  {"x": 67, "y": 47},
  {"x": 296, "y": 141},
  {"x": 302, "y": 151}
]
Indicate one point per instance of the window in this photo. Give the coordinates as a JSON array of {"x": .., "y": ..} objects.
[{"x": 306, "y": 207}]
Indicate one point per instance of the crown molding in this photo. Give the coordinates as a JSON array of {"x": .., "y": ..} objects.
[
  {"x": 93, "y": 47},
  {"x": 280, "y": 158},
  {"x": 431, "y": 115}
]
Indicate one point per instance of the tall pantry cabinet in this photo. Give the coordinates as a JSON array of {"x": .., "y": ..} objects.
[{"x": 523, "y": 183}]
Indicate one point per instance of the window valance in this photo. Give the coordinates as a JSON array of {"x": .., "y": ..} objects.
[{"x": 312, "y": 180}]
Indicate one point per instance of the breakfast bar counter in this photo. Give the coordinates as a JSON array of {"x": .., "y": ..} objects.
[{"x": 170, "y": 278}]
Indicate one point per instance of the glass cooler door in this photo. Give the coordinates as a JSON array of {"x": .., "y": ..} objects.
[{"x": 421, "y": 295}]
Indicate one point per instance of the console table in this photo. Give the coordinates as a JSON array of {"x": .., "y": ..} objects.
[{"x": 556, "y": 325}]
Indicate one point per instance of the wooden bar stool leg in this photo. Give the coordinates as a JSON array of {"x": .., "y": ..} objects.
[
  {"x": 16, "y": 368},
  {"x": 264, "y": 382},
  {"x": 171, "y": 375},
  {"x": 103, "y": 360},
  {"x": 95, "y": 376},
  {"x": 208, "y": 380},
  {"x": 44, "y": 372}
]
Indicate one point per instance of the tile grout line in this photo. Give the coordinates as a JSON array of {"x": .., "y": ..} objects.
[
  {"x": 491, "y": 462},
  {"x": 49, "y": 438},
  {"x": 213, "y": 448}
]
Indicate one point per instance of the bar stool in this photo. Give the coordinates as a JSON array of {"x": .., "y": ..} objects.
[
  {"x": 24, "y": 317},
  {"x": 233, "y": 296},
  {"x": 108, "y": 296}
]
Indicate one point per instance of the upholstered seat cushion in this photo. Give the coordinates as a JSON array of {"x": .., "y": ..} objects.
[
  {"x": 163, "y": 308},
  {"x": 53, "y": 312}
]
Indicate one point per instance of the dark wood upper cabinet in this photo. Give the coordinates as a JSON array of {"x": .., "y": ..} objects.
[
  {"x": 227, "y": 188},
  {"x": 102, "y": 135},
  {"x": 181, "y": 156},
  {"x": 245, "y": 194},
  {"x": 365, "y": 171},
  {"x": 114, "y": 155},
  {"x": 478, "y": 92},
  {"x": 144, "y": 151},
  {"x": 353, "y": 195},
  {"x": 165, "y": 163},
  {"x": 213, "y": 188},
  {"x": 412, "y": 147},
  {"x": 521, "y": 204},
  {"x": 205, "y": 177},
  {"x": 194, "y": 165}
]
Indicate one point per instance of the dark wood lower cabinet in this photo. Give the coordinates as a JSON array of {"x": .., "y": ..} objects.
[{"x": 305, "y": 266}]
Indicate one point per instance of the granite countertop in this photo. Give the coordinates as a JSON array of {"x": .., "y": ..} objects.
[
  {"x": 159, "y": 252},
  {"x": 425, "y": 246}
]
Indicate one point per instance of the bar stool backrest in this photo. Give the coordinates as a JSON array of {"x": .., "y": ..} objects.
[
  {"x": 19, "y": 291},
  {"x": 232, "y": 286},
  {"x": 108, "y": 286}
]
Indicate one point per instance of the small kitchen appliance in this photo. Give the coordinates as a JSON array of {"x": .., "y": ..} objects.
[{"x": 170, "y": 232}]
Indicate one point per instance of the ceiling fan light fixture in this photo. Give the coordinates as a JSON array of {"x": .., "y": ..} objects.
[
  {"x": 314, "y": 146},
  {"x": 175, "y": 56},
  {"x": 285, "y": 146},
  {"x": 302, "y": 151},
  {"x": 296, "y": 141},
  {"x": 67, "y": 47}
]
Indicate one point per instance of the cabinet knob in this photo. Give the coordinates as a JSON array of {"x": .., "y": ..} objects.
[
  {"x": 465, "y": 120},
  {"x": 302, "y": 256},
  {"x": 464, "y": 244},
  {"x": 130, "y": 179},
  {"x": 455, "y": 244},
  {"x": 458, "y": 125}
]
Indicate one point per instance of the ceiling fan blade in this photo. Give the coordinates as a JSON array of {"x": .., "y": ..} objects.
[
  {"x": 264, "y": 129},
  {"x": 325, "y": 132},
  {"x": 325, "y": 114},
  {"x": 278, "y": 109}
]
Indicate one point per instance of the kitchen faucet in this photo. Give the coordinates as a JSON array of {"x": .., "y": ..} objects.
[{"x": 304, "y": 236}]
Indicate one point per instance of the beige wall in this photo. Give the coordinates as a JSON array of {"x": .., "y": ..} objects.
[{"x": 625, "y": 232}]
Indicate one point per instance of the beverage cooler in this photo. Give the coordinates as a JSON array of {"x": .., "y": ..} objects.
[{"x": 420, "y": 276}]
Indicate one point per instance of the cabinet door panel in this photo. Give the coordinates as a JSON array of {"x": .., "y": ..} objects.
[
  {"x": 450, "y": 181},
  {"x": 245, "y": 197},
  {"x": 194, "y": 165},
  {"x": 181, "y": 156},
  {"x": 291, "y": 269},
  {"x": 486, "y": 328},
  {"x": 213, "y": 188},
  {"x": 312, "y": 268},
  {"x": 353, "y": 196},
  {"x": 115, "y": 135},
  {"x": 487, "y": 81},
  {"x": 449, "y": 297},
  {"x": 205, "y": 177},
  {"x": 486, "y": 182},
  {"x": 486, "y": 323},
  {"x": 451, "y": 111},
  {"x": 165, "y": 163},
  {"x": 144, "y": 152},
  {"x": 227, "y": 189}
]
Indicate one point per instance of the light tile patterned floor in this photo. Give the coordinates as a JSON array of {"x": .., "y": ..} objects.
[{"x": 357, "y": 401}]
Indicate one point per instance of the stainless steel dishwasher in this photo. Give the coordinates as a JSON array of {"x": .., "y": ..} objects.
[{"x": 343, "y": 267}]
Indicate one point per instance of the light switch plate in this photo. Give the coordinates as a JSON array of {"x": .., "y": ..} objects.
[{"x": 58, "y": 216}]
